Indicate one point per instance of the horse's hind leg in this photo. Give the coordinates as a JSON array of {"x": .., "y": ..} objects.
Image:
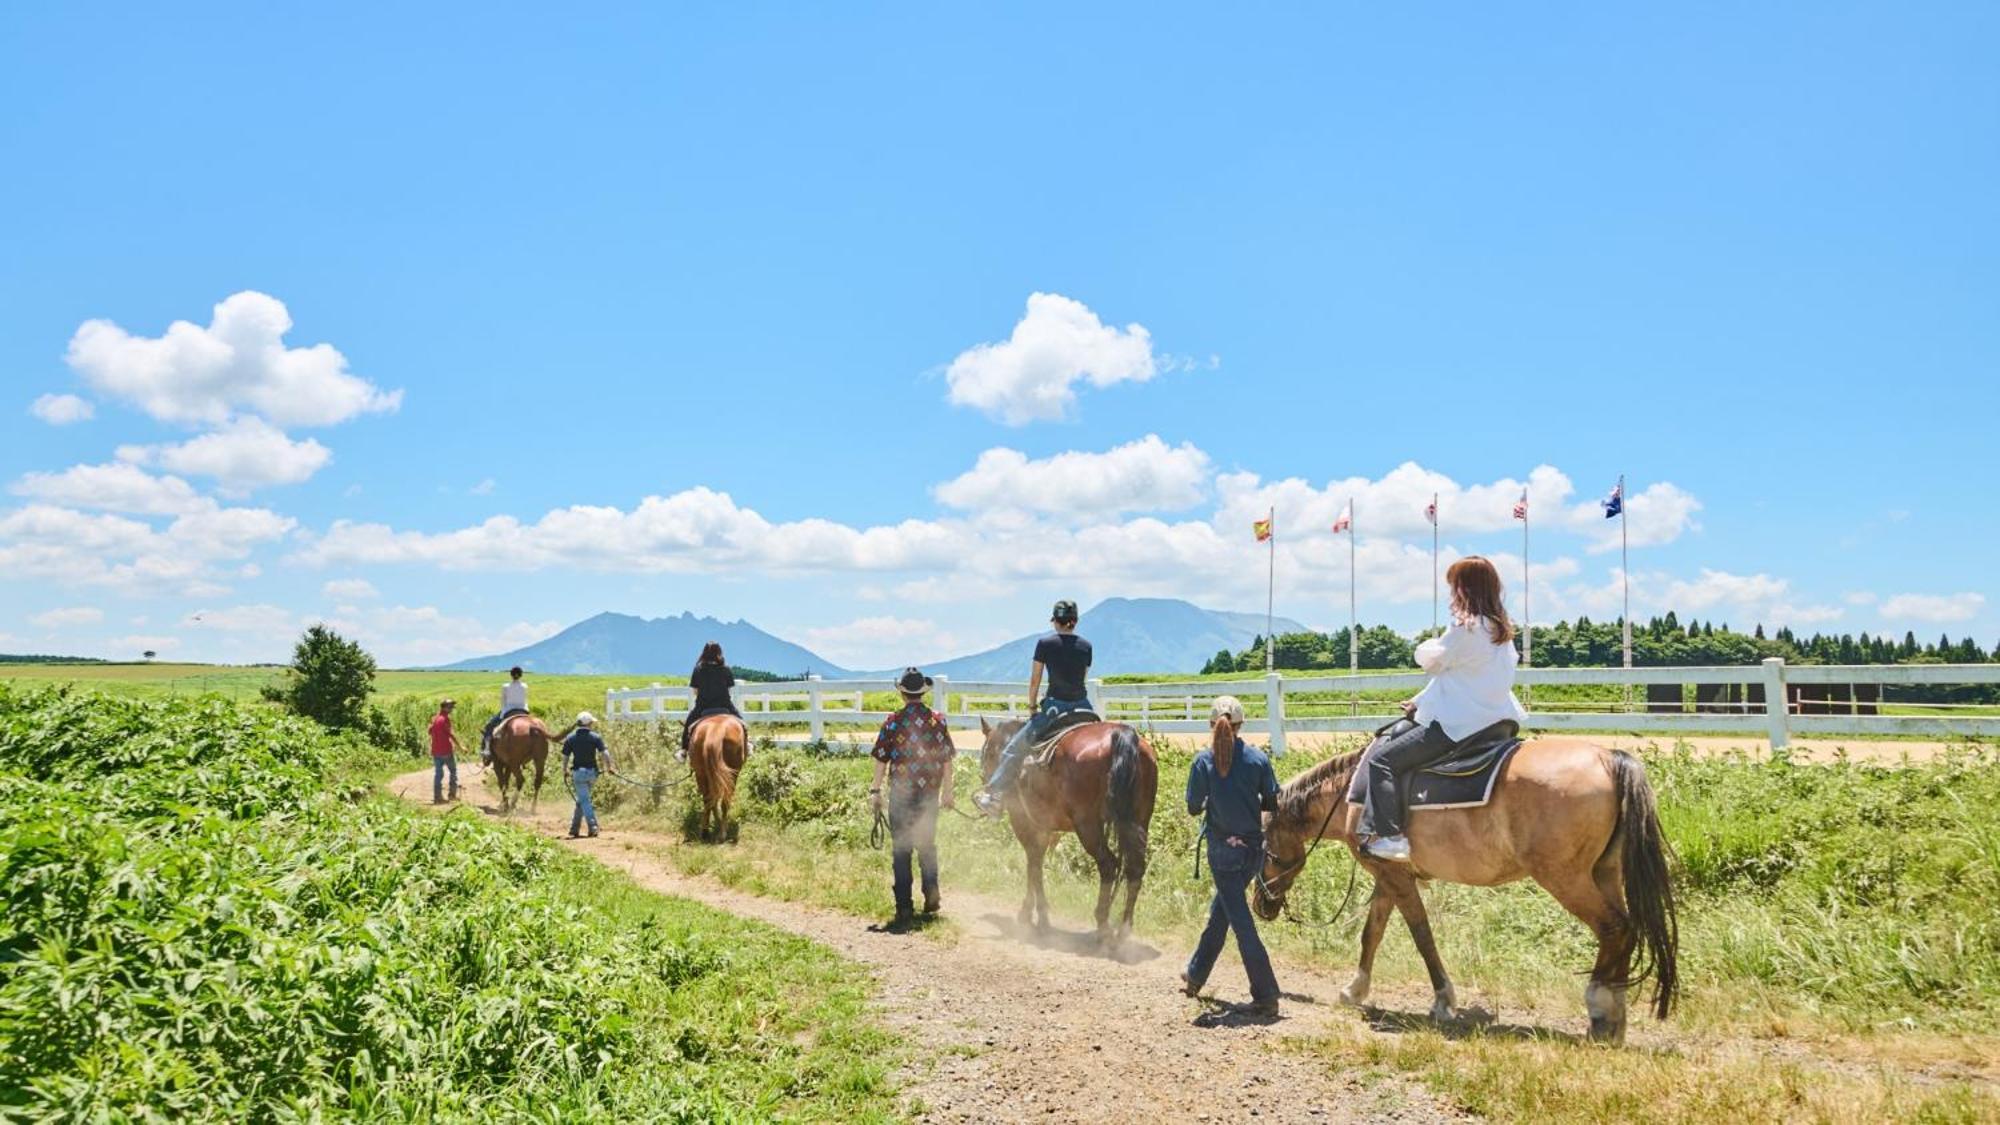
[
  {"x": 1091, "y": 836},
  {"x": 1379, "y": 905},
  {"x": 1132, "y": 846},
  {"x": 1596, "y": 906},
  {"x": 535, "y": 800},
  {"x": 1410, "y": 901}
]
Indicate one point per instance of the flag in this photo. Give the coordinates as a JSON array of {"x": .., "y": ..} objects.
[
  {"x": 1431, "y": 512},
  {"x": 1614, "y": 503},
  {"x": 1262, "y": 528},
  {"x": 1521, "y": 506},
  {"x": 1345, "y": 520}
]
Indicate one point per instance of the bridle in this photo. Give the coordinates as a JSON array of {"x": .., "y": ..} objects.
[{"x": 1284, "y": 869}]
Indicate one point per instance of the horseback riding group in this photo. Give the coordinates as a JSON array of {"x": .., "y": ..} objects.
[{"x": 1576, "y": 818}]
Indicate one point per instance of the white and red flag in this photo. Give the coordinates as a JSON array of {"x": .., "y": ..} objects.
[
  {"x": 1345, "y": 520},
  {"x": 1431, "y": 512},
  {"x": 1521, "y": 506}
]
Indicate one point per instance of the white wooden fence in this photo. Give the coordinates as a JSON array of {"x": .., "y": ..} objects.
[{"x": 1762, "y": 700}]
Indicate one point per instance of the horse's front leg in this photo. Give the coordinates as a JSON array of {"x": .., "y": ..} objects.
[
  {"x": 1409, "y": 900},
  {"x": 1379, "y": 905}
]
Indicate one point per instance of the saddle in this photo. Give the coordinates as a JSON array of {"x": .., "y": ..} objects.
[
  {"x": 1465, "y": 779},
  {"x": 1041, "y": 751}
]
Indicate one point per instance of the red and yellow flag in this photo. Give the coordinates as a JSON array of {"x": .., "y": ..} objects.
[{"x": 1262, "y": 528}]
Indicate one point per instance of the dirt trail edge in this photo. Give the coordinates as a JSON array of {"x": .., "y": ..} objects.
[{"x": 1005, "y": 1028}]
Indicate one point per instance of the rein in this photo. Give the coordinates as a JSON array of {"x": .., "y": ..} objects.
[{"x": 1353, "y": 872}]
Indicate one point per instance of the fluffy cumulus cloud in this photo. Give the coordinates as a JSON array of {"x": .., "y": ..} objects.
[
  {"x": 350, "y": 590},
  {"x": 1393, "y": 504},
  {"x": 414, "y": 636},
  {"x": 864, "y": 641},
  {"x": 1740, "y": 599},
  {"x": 1145, "y": 475},
  {"x": 115, "y": 487},
  {"x": 1032, "y": 375},
  {"x": 62, "y": 410},
  {"x": 245, "y": 454},
  {"x": 69, "y": 547},
  {"x": 239, "y": 363},
  {"x": 67, "y": 618},
  {"x": 1942, "y": 609},
  {"x": 1655, "y": 515}
]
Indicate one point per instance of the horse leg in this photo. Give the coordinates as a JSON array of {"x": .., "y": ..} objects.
[
  {"x": 1091, "y": 836},
  {"x": 535, "y": 800},
  {"x": 1595, "y": 906},
  {"x": 1410, "y": 901},
  {"x": 1132, "y": 844},
  {"x": 1379, "y": 905},
  {"x": 1031, "y": 847}
]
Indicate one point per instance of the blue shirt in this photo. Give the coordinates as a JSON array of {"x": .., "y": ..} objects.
[
  {"x": 1235, "y": 803},
  {"x": 580, "y": 750}
]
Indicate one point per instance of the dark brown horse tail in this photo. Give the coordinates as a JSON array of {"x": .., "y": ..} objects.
[
  {"x": 1120, "y": 789},
  {"x": 1649, "y": 891}
]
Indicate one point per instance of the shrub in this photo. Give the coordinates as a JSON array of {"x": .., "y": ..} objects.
[{"x": 329, "y": 682}]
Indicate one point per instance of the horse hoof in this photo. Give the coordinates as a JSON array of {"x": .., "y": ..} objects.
[
  {"x": 1356, "y": 992},
  {"x": 1444, "y": 1009},
  {"x": 1608, "y": 1033}
]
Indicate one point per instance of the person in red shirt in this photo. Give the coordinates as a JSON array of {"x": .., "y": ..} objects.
[
  {"x": 913, "y": 753},
  {"x": 444, "y": 748}
]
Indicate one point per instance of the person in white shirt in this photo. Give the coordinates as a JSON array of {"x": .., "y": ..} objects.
[
  {"x": 513, "y": 700},
  {"x": 1472, "y": 688}
]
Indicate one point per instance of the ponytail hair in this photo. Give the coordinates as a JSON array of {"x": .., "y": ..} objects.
[{"x": 1224, "y": 747}]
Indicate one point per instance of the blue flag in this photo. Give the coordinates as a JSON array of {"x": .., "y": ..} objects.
[{"x": 1614, "y": 503}]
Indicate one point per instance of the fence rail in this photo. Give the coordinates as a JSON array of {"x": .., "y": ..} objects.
[{"x": 1771, "y": 699}]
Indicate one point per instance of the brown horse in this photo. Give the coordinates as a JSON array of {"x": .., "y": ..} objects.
[
  {"x": 1574, "y": 817},
  {"x": 1099, "y": 784},
  {"x": 518, "y": 740},
  {"x": 717, "y": 748}
]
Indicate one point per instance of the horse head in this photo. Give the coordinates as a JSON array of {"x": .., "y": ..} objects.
[
  {"x": 996, "y": 736},
  {"x": 1284, "y": 858}
]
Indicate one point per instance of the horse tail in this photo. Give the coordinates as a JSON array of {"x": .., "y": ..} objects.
[
  {"x": 1649, "y": 891},
  {"x": 1124, "y": 823}
]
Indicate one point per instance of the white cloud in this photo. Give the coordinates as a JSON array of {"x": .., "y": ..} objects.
[
  {"x": 405, "y": 636},
  {"x": 483, "y": 488},
  {"x": 1655, "y": 516},
  {"x": 239, "y": 362},
  {"x": 1858, "y": 597},
  {"x": 1391, "y": 505},
  {"x": 1743, "y": 599},
  {"x": 268, "y": 621},
  {"x": 245, "y": 454},
  {"x": 67, "y": 618},
  {"x": 73, "y": 548},
  {"x": 1937, "y": 608},
  {"x": 116, "y": 487},
  {"x": 880, "y": 642},
  {"x": 1144, "y": 475},
  {"x": 350, "y": 590},
  {"x": 1058, "y": 342},
  {"x": 62, "y": 410}
]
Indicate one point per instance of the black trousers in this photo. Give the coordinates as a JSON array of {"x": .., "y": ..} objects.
[
  {"x": 1389, "y": 764},
  {"x": 913, "y": 831},
  {"x": 698, "y": 714}
]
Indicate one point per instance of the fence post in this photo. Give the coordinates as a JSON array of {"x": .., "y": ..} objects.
[
  {"x": 1274, "y": 704},
  {"x": 1774, "y": 702},
  {"x": 1096, "y": 694},
  {"x": 816, "y": 722},
  {"x": 941, "y": 695},
  {"x": 608, "y": 709},
  {"x": 654, "y": 704}
]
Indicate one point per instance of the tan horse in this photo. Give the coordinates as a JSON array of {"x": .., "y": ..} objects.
[
  {"x": 517, "y": 741},
  {"x": 1100, "y": 784},
  {"x": 1574, "y": 817},
  {"x": 717, "y": 749}
]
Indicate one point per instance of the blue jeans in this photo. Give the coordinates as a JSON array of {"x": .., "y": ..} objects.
[
  {"x": 913, "y": 829},
  {"x": 439, "y": 767},
  {"x": 1233, "y": 868},
  {"x": 581, "y": 780},
  {"x": 1017, "y": 746}
]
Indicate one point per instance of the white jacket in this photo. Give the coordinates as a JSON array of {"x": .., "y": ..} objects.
[
  {"x": 1472, "y": 685},
  {"x": 513, "y": 696}
]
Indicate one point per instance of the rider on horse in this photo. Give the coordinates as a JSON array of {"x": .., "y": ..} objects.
[
  {"x": 1065, "y": 658},
  {"x": 513, "y": 701},
  {"x": 711, "y": 681},
  {"x": 1472, "y": 688}
]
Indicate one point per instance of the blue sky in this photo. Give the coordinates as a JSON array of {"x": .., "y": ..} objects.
[{"x": 743, "y": 263}]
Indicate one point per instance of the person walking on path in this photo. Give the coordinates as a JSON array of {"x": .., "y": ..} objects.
[
  {"x": 1234, "y": 784},
  {"x": 1065, "y": 658},
  {"x": 584, "y": 754},
  {"x": 444, "y": 752},
  {"x": 913, "y": 755}
]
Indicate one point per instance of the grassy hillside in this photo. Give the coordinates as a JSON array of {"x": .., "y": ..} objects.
[{"x": 197, "y": 926}]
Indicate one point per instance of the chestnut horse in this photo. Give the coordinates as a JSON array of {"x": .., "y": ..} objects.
[
  {"x": 717, "y": 748},
  {"x": 1099, "y": 783},
  {"x": 1574, "y": 817},
  {"x": 518, "y": 740}
]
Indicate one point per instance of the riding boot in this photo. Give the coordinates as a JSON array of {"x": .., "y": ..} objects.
[
  {"x": 932, "y": 904},
  {"x": 904, "y": 921}
]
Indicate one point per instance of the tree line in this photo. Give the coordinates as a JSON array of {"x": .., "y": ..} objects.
[{"x": 1661, "y": 642}]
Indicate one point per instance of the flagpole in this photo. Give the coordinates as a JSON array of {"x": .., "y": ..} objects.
[
  {"x": 1353, "y": 617},
  {"x": 1270, "y": 591},
  {"x": 1625, "y": 563},
  {"x": 1527, "y": 612},
  {"x": 1434, "y": 560}
]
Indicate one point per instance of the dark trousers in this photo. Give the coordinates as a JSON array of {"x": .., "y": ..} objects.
[
  {"x": 913, "y": 828},
  {"x": 1229, "y": 912},
  {"x": 1389, "y": 763}
]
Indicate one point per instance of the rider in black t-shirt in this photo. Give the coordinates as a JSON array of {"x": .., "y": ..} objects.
[
  {"x": 711, "y": 681},
  {"x": 1064, "y": 658}
]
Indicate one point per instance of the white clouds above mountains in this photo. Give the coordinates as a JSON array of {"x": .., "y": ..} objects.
[
  {"x": 72, "y": 548},
  {"x": 67, "y": 618},
  {"x": 350, "y": 590},
  {"x": 116, "y": 487},
  {"x": 246, "y": 454},
  {"x": 238, "y": 363},
  {"x": 1933, "y": 608},
  {"x": 62, "y": 410},
  {"x": 1145, "y": 475},
  {"x": 1032, "y": 375}
]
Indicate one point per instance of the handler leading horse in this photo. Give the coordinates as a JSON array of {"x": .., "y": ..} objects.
[
  {"x": 1574, "y": 817},
  {"x": 1099, "y": 783}
]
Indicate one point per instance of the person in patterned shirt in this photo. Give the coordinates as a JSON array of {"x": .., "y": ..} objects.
[{"x": 913, "y": 754}]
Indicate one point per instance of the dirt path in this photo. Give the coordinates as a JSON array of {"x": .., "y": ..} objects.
[{"x": 1006, "y": 1026}]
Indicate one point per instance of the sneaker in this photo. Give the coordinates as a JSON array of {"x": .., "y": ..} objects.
[
  {"x": 1188, "y": 987},
  {"x": 902, "y": 923},
  {"x": 1395, "y": 849},
  {"x": 574, "y": 835},
  {"x": 989, "y": 803},
  {"x": 931, "y": 904},
  {"x": 1263, "y": 1007},
  {"x": 593, "y": 833}
]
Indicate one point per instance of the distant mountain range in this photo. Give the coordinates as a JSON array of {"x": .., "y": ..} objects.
[
  {"x": 620, "y": 644},
  {"x": 1126, "y": 634}
]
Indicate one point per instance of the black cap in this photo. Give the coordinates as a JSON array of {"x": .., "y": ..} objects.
[
  {"x": 913, "y": 682},
  {"x": 1065, "y": 611}
]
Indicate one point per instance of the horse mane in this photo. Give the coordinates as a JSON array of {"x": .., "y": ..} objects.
[{"x": 1295, "y": 798}]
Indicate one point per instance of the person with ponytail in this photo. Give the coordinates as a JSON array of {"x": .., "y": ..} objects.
[
  {"x": 1472, "y": 688},
  {"x": 1232, "y": 783}
]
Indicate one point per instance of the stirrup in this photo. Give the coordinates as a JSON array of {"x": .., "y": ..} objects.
[{"x": 1395, "y": 849}]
